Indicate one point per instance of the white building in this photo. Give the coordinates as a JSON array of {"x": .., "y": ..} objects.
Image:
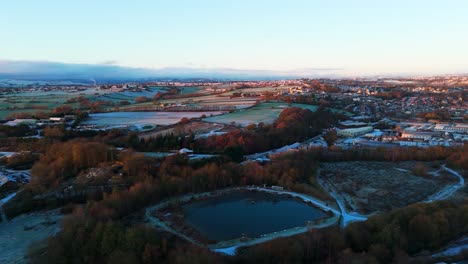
[
  {"x": 57, "y": 119},
  {"x": 460, "y": 128},
  {"x": 30, "y": 122},
  {"x": 354, "y": 132},
  {"x": 418, "y": 135}
]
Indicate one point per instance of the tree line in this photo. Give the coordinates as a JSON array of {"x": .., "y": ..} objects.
[{"x": 292, "y": 125}]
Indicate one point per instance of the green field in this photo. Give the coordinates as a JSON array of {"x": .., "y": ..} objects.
[
  {"x": 264, "y": 112},
  {"x": 258, "y": 90},
  {"x": 191, "y": 90},
  {"x": 32, "y": 102}
]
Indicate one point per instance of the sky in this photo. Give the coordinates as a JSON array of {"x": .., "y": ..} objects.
[{"x": 359, "y": 37}]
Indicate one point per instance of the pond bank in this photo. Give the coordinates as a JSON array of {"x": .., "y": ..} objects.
[{"x": 230, "y": 246}]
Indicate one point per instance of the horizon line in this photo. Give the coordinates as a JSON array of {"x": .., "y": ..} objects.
[{"x": 17, "y": 69}]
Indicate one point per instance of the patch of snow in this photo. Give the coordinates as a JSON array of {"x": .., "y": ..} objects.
[
  {"x": 6, "y": 154},
  {"x": 402, "y": 170},
  {"x": 6, "y": 199},
  {"x": 7, "y": 175},
  {"x": 231, "y": 251},
  {"x": 448, "y": 190},
  {"x": 17, "y": 235},
  {"x": 455, "y": 249}
]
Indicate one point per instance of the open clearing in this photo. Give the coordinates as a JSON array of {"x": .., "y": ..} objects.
[
  {"x": 17, "y": 235},
  {"x": 128, "y": 119},
  {"x": 369, "y": 187}
]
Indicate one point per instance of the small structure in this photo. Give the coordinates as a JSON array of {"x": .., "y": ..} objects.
[
  {"x": 419, "y": 135},
  {"x": 16, "y": 122},
  {"x": 185, "y": 151},
  {"x": 57, "y": 119},
  {"x": 277, "y": 188}
]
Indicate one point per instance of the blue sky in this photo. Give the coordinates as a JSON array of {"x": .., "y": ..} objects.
[{"x": 359, "y": 37}]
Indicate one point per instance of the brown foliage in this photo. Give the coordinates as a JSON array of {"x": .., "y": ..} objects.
[{"x": 64, "y": 160}]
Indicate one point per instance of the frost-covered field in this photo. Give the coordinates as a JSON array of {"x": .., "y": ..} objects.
[
  {"x": 30, "y": 101},
  {"x": 264, "y": 112},
  {"x": 21, "y": 83},
  {"x": 128, "y": 95},
  {"x": 246, "y": 117},
  {"x": 129, "y": 119},
  {"x": 7, "y": 175},
  {"x": 25, "y": 230}
]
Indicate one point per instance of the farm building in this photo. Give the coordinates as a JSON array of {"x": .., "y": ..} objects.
[{"x": 30, "y": 122}]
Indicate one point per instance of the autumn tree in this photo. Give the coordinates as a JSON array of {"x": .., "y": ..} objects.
[
  {"x": 142, "y": 99},
  {"x": 330, "y": 137},
  {"x": 54, "y": 132},
  {"x": 64, "y": 160}
]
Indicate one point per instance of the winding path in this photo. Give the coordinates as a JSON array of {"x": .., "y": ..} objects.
[
  {"x": 447, "y": 191},
  {"x": 2, "y": 202},
  {"x": 346, "y": 217},
  {"x": 455, "y": 248}
]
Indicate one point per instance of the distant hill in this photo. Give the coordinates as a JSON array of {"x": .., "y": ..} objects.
[{"x": 42, "y": 71}]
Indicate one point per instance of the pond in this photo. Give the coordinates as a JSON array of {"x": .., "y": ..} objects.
[{"x": 247, "y": 213}]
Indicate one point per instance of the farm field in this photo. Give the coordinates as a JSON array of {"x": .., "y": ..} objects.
[
  {"x": 192, "y": 89},
  {"x": 12, "y": 112},
  {"x": 27, "y": 101},
  {"x": 130, "y": 96},
  {"x": 32, "y": 101},
  {"x": 245, "y": 117},
  {"x": 264, "y": 112},
  {"x": 223, "y": 98},
  {"x": 259, "y": 90},
  {"x": 196, "y": 102},
  {"x": 208, "y": 97},
  {"x": 195, "y": 127},
  {"x": 370, "y": 187},
  {"x": 140, "y": 119}
]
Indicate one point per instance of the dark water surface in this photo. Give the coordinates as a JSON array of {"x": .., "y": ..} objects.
[{"x": 246, "y": 212}]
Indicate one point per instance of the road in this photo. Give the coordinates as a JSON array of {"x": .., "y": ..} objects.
[{"x": 297, "y": 145}]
